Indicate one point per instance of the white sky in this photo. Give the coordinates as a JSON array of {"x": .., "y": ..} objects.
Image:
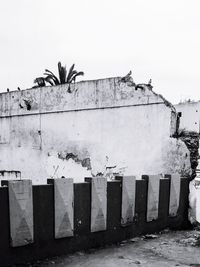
[{"x": 154, "y": 38}]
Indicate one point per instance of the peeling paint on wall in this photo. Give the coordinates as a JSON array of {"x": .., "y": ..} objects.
[
  {"x": 103, "y": 127},
  {"x": 57, "y": 167},
  {"x": 84, "y": 162}
]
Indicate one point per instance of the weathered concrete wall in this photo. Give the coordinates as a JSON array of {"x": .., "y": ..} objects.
[{"x": 104, "y": 126}]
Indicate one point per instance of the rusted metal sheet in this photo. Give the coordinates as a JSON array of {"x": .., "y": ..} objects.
[
  {"x": 21, "y": 212},
  {"x": 128, "y": 199},
  {"x": 153, "y": 197},
  {"x": 174, "y": 194},
  {"x": 64, "y": 207},
  {"x": 99, "y": 204}
]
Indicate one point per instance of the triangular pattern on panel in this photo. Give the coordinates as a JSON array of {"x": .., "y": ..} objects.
[
  {"x": 176, "y": 181},
  {"x": 29, "y": 221},
  {"x": 24, "y": 189},
  {"x": 153, "y": 198},
  {"x": 174, "y": 195},
  {"x": 98, "y": 202},
  {"x": 100, "y": 217},
  {"x": 129, "y": 213},
  {"x": 96, "y": 211},
  {"x": 62, "y": 201},
  {"x": 128, "y": 199},
  {"x": 65, "y": 225},
  {"x": 98, "y": 195},
  {"x": 63, "y": 210},
  {"x": 18, "y": 207},
  {"x": 130, "y": 191},
  {"x": 23, "y": 233},
  {"x": 65, "y": 195}
]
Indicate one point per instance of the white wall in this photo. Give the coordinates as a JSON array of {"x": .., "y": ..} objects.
[
  {"x": 119, "y": 129},
  {"x": 190, "y": 119}
]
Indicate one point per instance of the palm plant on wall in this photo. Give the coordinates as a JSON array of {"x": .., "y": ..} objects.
[{"x": 64, "y": 77}]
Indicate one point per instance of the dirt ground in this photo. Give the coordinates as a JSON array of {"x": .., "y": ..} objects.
[{"x": 168, "y": 248}]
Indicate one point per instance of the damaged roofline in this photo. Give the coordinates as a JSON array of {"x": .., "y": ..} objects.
[{"x": 166, "y": 102}]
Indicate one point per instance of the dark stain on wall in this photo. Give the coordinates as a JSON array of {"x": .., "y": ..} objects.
[{"x": 84, "y": 162}]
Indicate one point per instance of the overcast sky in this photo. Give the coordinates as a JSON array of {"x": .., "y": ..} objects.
[{"x": 154, "y": 38}]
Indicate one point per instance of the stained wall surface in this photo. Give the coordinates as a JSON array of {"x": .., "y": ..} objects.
[{"x": 102, "y": 127}]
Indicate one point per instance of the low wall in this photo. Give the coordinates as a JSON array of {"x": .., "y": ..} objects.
[{"x": 44, "y": 244}]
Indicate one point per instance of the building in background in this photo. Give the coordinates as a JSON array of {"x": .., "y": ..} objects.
[
  {"x": 190, "y": 123},
  {"x": 190, "y": 118}
]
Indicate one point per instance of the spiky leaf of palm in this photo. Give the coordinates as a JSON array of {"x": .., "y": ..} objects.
[
  {"x": 51, "y": 75},
  {"x": 63, "y": 76},
  {"x": 49, "y": 80},
  {"x": 80, "y": 73},
  {"x": 62, "y": 73},
  {"x": 72, "y": 74}
]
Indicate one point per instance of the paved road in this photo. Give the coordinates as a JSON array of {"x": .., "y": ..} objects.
[{"x": 180, "y": 248}]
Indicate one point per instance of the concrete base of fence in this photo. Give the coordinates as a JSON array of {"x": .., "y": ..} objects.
[{"x": 45, "y": 244}]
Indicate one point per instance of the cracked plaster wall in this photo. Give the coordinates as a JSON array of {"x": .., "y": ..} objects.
[{"x": 102, "y": 127}]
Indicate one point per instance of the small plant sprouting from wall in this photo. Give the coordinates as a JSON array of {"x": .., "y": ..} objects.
[{"x": 64, "y": 77}]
